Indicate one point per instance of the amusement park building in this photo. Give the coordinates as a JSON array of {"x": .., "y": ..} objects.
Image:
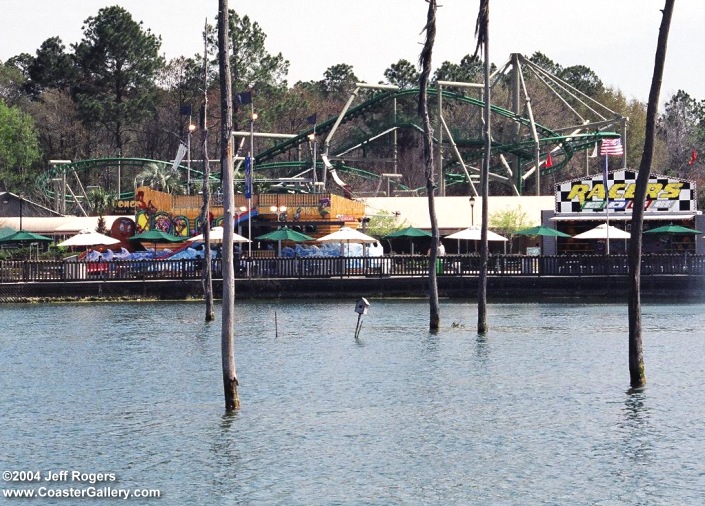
[{"x": 577, "y": 206}]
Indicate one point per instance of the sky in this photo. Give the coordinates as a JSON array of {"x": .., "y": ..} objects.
[{"x": 614, "y": 38}]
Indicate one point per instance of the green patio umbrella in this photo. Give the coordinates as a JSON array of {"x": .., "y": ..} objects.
[
  {"x": 284, "y": 234},
  {"x": 410, "y": 232},
  {"x": 24, "y": 236},
  {"x": 672, "y": 229},
  {"x": 541, "y": 230},
  {"x": 156, "y": 236},
  {"x": 5, "y": 231}
]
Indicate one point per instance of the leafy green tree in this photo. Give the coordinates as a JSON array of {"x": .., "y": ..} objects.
[
  {"x": 12, "y": 82},
  {"x": 402, "y": 74},
  {"x": 51, "y": 68},
  {"x": 383, "y": 224},
  {"x": 508, "y": 222},
  {"x": 100, "y": 201},
  {"x": 338, "y": 79},
  {"x": 18, "y": 146},
  {"x": 682, "y": 125},
  {"x": 117, "y": 63},
  {"x": 469, "y": 70},
  {"x": 253, "y": 67},
  {"x": 583, "y": 78},
  {"x": 546, "y": 63},
  {"x": 159, "y": 177}
]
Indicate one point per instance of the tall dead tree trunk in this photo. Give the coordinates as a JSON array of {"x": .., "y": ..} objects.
[
  {"x": 637, "y": 373},
  {"x": 207, "y": 274},
  {"x": 425, "y": 61},
  {"x": 230, "y": 382},
  {"x": 483, "y": 40}
]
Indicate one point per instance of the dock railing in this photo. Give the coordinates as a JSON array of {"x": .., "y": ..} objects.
[{"x": 13, "y": 271}]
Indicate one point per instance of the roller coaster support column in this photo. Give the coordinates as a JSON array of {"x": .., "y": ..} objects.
[
  {"x": 441, "y": 179},
  {"x": 326, "y": 145}
]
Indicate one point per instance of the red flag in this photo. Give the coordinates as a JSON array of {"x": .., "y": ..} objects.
[
  {"x": 693, "y": 157},
  {"x": 549, "y": 161}
]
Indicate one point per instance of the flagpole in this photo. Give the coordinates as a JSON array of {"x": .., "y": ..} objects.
[{"x": 607, "y": 205}]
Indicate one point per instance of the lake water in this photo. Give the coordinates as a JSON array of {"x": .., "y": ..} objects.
[{"x": 538, "y": 411}]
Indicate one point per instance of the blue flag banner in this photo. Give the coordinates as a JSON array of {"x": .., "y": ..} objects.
[
  {"x": 244, "y": 98},
  {"x": 311, "y": 120},
  {"x": 248, "y": 178}
]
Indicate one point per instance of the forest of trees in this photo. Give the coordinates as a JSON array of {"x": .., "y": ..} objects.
[{"x": 112, "y": 94}]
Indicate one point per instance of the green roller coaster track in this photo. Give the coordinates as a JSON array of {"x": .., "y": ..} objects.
[{"x": 562, "y": 147}]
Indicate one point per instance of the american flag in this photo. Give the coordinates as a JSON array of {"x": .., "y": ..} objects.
[{"x": 611, "y": 147}]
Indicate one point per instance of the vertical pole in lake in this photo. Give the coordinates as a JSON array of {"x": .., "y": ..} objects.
[
  {"x": 207, "y": 279},
  {"x": 230, "y": 382}
]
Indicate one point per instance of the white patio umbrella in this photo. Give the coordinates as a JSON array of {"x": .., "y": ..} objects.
[
  {"x": 604, "y": 232},
  {"x": 87, "y": 238},
  {"x": 474, "y": 234},
  {"x": 216, "y": 236},
  {"x": 347, "y": 235}
]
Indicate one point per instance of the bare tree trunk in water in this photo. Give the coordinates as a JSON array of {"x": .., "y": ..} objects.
[
  {"x": 425, "y": 61},
  {"x": 483, "y": 40},
  {"x": 637, "y": 373},
  {"x": 207, "y": 276},
  {"x": 230, "y": 382}
]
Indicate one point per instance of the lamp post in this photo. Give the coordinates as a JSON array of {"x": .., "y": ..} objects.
[
  {"x": 472, "y": 211},
  {"x": 21, "y": 195},
  {"x": 312, "y": 138},
  {"x": 248, "y": 182},
  {"x": 280, "y": 212},
  {"x": 191, "y": 129}
]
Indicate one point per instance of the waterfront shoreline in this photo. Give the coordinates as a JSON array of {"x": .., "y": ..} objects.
[{"x": 500, "y": 287}]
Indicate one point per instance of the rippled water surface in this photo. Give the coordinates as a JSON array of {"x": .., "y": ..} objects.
[{"x": 538, "y": 411}]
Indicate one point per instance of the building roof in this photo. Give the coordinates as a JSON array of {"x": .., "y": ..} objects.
[
  {"x": 58, "y": 225},
  {"x": 10, "y": 206},
  {"x": 454, "y": 213}
]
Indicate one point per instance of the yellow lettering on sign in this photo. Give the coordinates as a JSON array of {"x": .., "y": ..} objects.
[
  {"x": 597, "y": 191},
  {"x": 653, "y": 190},
  {"x": 616, "y": 190},
  {"x": 671, "y": 191},
  {"x": 579, "y": 191},
  {"x": 629, "y": 191}
]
